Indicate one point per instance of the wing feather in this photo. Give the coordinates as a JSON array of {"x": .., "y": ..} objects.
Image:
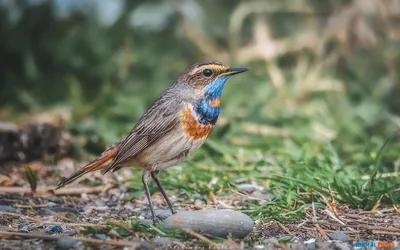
[{"x": 163, "y": 116}]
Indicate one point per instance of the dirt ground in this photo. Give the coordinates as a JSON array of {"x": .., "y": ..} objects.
[{"x": 93, "y": 216}]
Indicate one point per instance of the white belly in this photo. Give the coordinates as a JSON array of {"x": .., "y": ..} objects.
[{"x": 170, "y": 150}]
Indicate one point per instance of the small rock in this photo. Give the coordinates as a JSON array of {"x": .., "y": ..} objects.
[
  {"x": 249, "y": 188},
  {"x": 24, "y": 229},
  {"x": 70, "y": 231},
  {"x": 328, "y": 245},
  {"x": 294, "y": 242},
  {"x": 66, "y": 243},
  {"x": 56, "y": 229},
  {"x": 198, "y": 204},
  {"x": 143, "y": 245},
  {"x": 340, "y": 236},
  {"x": 324, "y": 245},
  {"x": 64, "y": 210},
  {"x": 287, "y": 239},
  {"x": 271, "y": 240},
  {"x": 55, "y": 199},
  {"x": 310, "y": 244},
  {"x": 5, "y": 208},
  {"x": 111, "y": 204},
  {"x": 45, "y": 211},
  {"x": 266, "y": 197},
  {"x": 205, "y": 221},
  {"x": 100, "y": 236},
  {"x": 297, "y": 245},
  {"x": 163, "y": 241},
  {"x": 270, "y": 243},
  {"x": 258, "y": 247},
  {"x": 341, "y": 246}
]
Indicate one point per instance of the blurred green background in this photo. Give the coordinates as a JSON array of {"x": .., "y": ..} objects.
[{"x": 322, "y": 91}]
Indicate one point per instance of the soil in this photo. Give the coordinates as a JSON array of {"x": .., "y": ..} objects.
[{"x": 38, "y": 221}]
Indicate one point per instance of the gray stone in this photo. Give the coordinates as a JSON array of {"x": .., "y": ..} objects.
[
  {"x": 10, "y": 209},
  {"x": 310, "y": 244},
  {"x": 340, "y": 236},
  {"x": 67, "y": 243},
  {"x": 287, "y": 239},
  {"x": 271, "y": 240},
  {"x": 324, "y": 245},
  {"x": 143, "y": 245},
  {"x": 53, "y": 229},
  {"x": 45, "y": 211},
  {"x": 55, "y": 199},
  {"x": 24, "y": 229},
  {"x": 266, "y": 197},
  {"x": 341, "y": 246},
  {"x": 204, "y": 222},
  {"x": 70, "y": 231},
  {"x": 328, "y": 245},
  {"x": 249, "y": 188},
  {"x": 64, "y": 210},
  {"x": 271, "y": 243},
  {"x": 258, "y": 247},
  {"x": 298, "y": 245},
  {"x": 164, "y": 241},
  {"x": 100, "y": 236},
  {"x": 294, "y": 242}
]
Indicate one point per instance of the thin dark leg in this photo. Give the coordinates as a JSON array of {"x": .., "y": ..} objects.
[
  {"x": 145, "y": 180},
  {"x": 155, "y": 178}
]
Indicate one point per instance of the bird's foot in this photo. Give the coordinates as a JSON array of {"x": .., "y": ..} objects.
[{"x": 160, "y": 217}]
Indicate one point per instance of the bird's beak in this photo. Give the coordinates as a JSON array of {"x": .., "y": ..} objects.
[{"x": 233, "y": 71}]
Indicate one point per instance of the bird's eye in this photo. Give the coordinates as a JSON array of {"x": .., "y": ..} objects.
[{"x": 207, "y": 72}]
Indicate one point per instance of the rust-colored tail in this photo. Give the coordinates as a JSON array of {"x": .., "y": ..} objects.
[{"x": 103, "y": 160}]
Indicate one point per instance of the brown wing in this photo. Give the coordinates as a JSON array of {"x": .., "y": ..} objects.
[{"x": 163, "y": 115}]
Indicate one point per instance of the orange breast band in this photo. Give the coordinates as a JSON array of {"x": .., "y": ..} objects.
[
  {"x": 216, "y": 102},
  {"x": 192, "y": 127}
]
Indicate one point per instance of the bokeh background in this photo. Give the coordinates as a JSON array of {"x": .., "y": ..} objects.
[{"x": 319, "y": 101}]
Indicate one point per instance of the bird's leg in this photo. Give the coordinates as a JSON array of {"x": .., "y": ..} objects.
[
  {"x": 155, "y": 178},
  {"x": 145, "y": 180}
]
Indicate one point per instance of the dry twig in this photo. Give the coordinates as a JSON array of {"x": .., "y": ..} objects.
[
  {"x": 333, "y": 201},
  {"x": 31, "y": 206},
  {"x": 52, "y": 222},
  {"x": 120, "y": 243},
  {"x": 396, "y": 209},
  {"x": 385, "y": 232},
  {"x": 200, "y": 237},
  {"x": 118, "y": 224},
  {"x": 319, "y": 229},
  {"x": 377, "y": 204},
  {"x": 387, "y": 210},
  {"x": 285, "y": 229},
  {"x": 51, "y": 192},
  {"x": 329, "y": 205},
  {"x": 371, "y": 228}
]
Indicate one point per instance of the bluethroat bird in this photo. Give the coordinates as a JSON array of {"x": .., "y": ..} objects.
[{"x": 171, "y": 130}]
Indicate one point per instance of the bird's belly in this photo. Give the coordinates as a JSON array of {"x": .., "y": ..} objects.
[{"x": 170, "y": 150}]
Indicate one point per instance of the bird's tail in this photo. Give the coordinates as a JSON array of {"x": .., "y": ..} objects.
[{"x": 102, "y": 161}]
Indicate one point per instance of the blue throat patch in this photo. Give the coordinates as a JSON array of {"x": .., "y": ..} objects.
[{"x": 206, "y": 113}]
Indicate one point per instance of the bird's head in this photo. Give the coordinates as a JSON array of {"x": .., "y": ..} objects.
[{"x": 209, "y": 77}]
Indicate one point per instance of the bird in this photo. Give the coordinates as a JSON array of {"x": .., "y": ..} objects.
[{"x": 171, "y": 130}]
